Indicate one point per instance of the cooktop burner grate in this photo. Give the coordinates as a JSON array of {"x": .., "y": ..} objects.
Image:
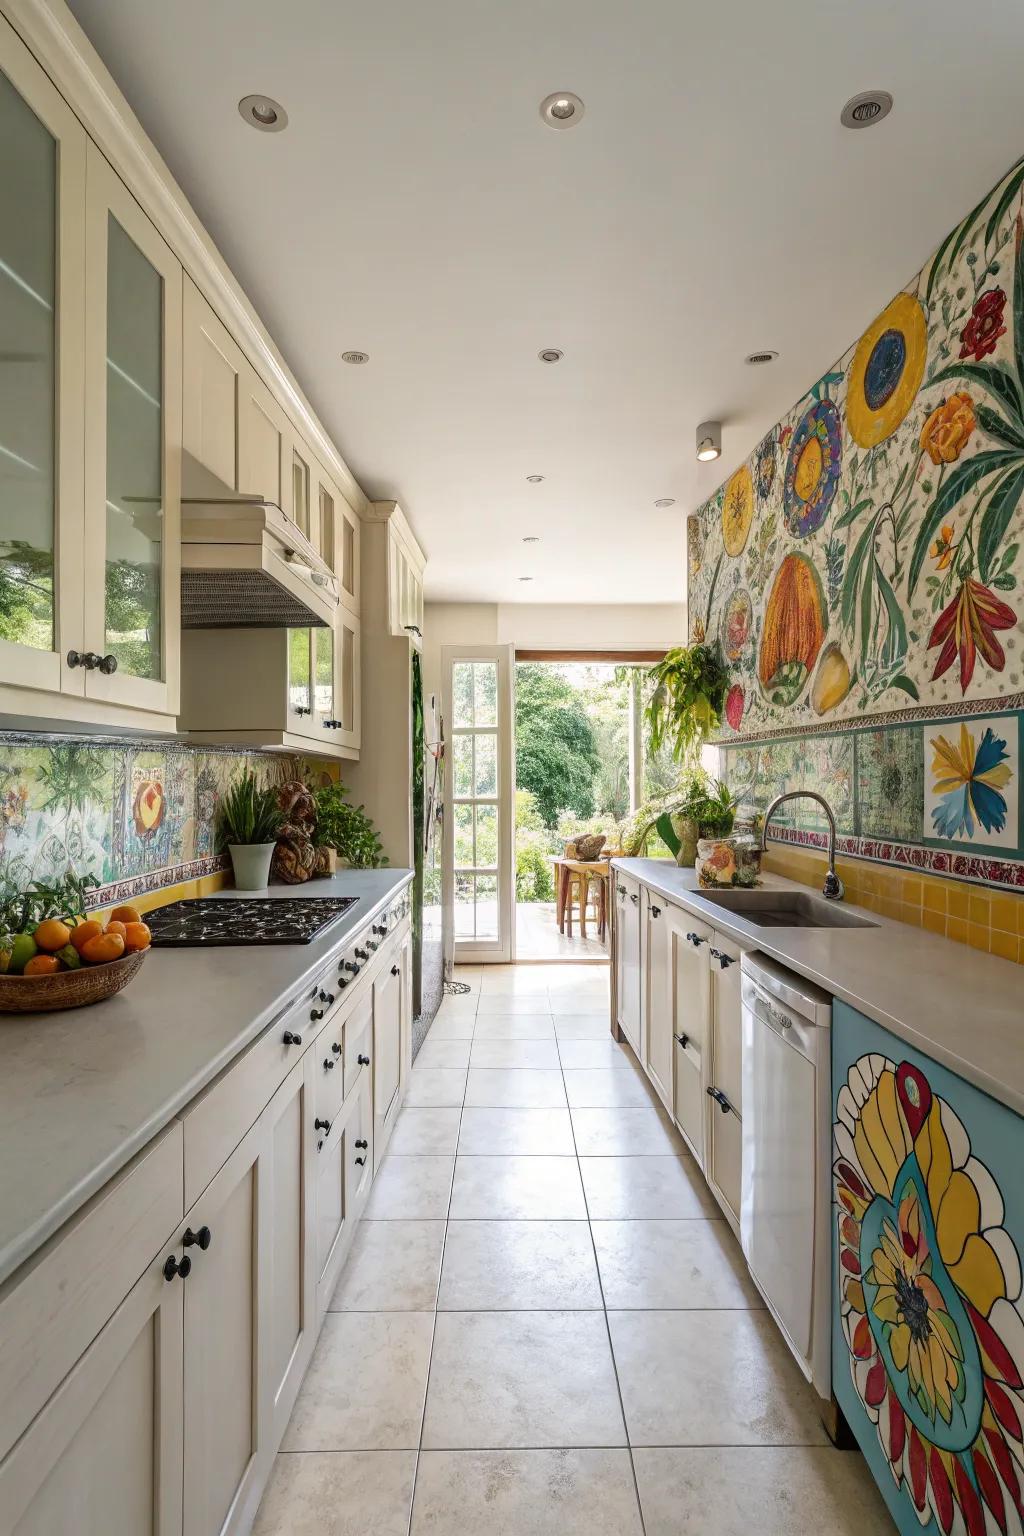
[{"x": 236, "y": 921}]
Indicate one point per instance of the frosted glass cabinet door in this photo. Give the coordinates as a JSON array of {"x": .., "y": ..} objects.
[
  {"x": 42, "y": 306},
  {"x": 133, "y": 447}
]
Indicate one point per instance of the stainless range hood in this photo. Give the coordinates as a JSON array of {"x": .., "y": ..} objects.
[{"x": 245, "y": 565}]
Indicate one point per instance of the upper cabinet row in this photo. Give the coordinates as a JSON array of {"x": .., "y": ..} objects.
[{"x": 123, "y": 395}]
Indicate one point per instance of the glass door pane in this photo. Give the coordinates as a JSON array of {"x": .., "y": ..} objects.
[
  {"x": 300, "y": 700},
  {"x": 323, "y": 691},
  {"x": 28, "y": 284},
  {"x": 135, "y": 459},
  {"x": 478, "y": 843}
]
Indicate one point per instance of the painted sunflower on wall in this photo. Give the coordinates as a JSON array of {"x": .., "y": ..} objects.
[{"x": 930, "y": 1300}]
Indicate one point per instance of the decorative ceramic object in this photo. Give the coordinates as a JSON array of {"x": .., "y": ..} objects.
[
  {"x": 251, "y": 863},
  {"x": 728, "y": 861},
  {"x": 687, "y": 831}
]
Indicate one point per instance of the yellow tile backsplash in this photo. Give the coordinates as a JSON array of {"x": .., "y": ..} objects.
[{"x": 987, "y": 920}]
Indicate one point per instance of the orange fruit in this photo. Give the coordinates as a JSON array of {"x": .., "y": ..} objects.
[
  {"x": 125, "y": 915},
  {"x": 87, "y": 929},
  {"x": 116, "y": 927},
  {"x": 52, "y": 934},
  {"x": 136, "y": 936},
  {"x": 102, "y": 949},
  {"x": 41, "y": 965}
]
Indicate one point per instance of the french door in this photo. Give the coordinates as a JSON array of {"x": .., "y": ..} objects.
[{"x": 479, "y": 799}]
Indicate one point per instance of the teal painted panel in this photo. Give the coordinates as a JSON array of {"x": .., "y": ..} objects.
[{"x": 928, "y": 1334}]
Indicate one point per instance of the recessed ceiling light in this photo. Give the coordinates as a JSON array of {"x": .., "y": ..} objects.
[
  {"x": 264, "y": 113},
  {"x": 562, "y": 109},
  {"x": 865, "y": 110},
  {"x": 709, "y": 440},
  {"x": 526, "y": 578},
  {"x": 550, "y": 355},
  {"x": 355, "y": 357},
  {"x": 530, "y": 538},
  {"x": 758, "y": 359},
  {"x": 665, "y": 501},
  {"x": 534, "y": 479}
]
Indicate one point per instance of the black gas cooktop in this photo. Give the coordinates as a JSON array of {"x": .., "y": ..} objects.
[{"x": 233, "y": 920}]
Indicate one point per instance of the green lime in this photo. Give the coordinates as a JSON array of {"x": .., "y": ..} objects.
[
  {"x": 69, "y": 957},
  {"x": 22, "y": 950}
]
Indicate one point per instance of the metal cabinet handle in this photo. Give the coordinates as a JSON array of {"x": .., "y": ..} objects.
[
  {"x": 175, "y": 1266},
  {"x": 620, "y": 890},
  {"x": 322, "y": 1125},
  {"x": 329, "y": 1064},
  {"x": 634, "y": 898},
  {"x": 326, "y": 997},
  {"x": 720, "y": 1099},
  {"x": 288, "y": 1038},
  {"x": 202, "y": 1239},
  {"x": 360, "y": 1161},
  {"x": 723, "y": 959},
  {"x": 696, "y": 940},
  {"x": 655, "y": 911},
  {"x": 394, "y": 970},
  {"x": 108, "y": 665},
  {"x": 362, "y": 1142},
  {"x": 364, "y": 1061},
  {"x": 316, "y": 1013},
  {"x": 683, "y": 1040},
  {"x": 336, "y": 1048}
]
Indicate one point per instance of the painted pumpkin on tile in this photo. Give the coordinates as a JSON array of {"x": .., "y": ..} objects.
[
  {"x": 737, "y": 510},
  {"x": 930, "y": 1294},
  {"x": 148, "y": 807},
  {"x": 794, "y": 630},
  {"x": 886, "y": 371}
]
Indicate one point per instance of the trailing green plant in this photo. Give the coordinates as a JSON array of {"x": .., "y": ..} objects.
[
  {"x": 22, "y": 908},
  {"x": 249, "y": 814},
  {"x": 689, "y": 695},
  {"x": 347, "y": 828}
]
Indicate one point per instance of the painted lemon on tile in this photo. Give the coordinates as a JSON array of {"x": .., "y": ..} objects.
[
  {"x": 886, "y": 372},
  {"x": 831, "y": 681},
  {"x": 737, "y": 510},
  {"x": 794, "y": 630}
]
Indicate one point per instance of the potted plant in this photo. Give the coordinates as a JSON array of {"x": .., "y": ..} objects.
[
  {"x": 705, "y": 809},
  {"x": 250, "y": 819},
  {"x": 345, "y": 831},
  {"x": 688, "y": 699}
]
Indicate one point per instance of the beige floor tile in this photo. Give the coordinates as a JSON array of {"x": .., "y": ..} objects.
[
  {"x": 425, "y": 1131},
  {"x": 521, "y": 1379},
  {"x": 411, "y": 1189},
  {"x": 711, "y": 1378},
  {"x": 778, "y": 1490},
  {"x": 651, "y": 1188},
  {"x": 663, "y": 1264},
  {"x": 525, "y": 1493},
  {"x": 458, "y": 1002},
  {"x": 605, "y": 1052},
  {"x": 584, "y": 1003},
  {"x": 453, "y": 1024},
  {"x": 508, "y": 1004},
  {"x": 354, "y": 1493},
  {"x": 436, "y": 1051},
  {"x": 435, "y": 1087},
  {"x": 596, "y": 1088},
  {"x": 515, "y": 1053},
  {"x": 393, "y": 1267},
  {"x": 511, "y": 1132},
  {"x": 507, "y": 1266},
  {"x": 577, "y": 978},
  {"x": 624, "y": 1133},
  {"x": 517, "y": 1189},
  {"x": 520, "y": 1026},
  {"x": 522, "y": 981},
  {"x": 583, "y": 1026},
  {"x": 514, "y": 1088},
  {"x": 364, "y": 1388}
]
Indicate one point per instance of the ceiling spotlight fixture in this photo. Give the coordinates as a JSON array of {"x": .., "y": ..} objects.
[
  {"x": 530, "y": 538},
  {"x": 534, "y": 479},
  {"x": 758, "y": 359},
  {"x": 865, "y": 110},
  {"x": 263, "y": 113},
  {"x": 562, "y": 109},
  {"x": 665, "y": 501},
  {"x": 709, "y": 440},
  {"x": 526, "y": 578},
  {"x": 355, "y": 357},
  {"x": 550, "y": 355}
]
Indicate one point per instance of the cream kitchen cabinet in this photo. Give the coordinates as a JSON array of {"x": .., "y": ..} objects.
[
  {"x": 658, "y": 973},
  {"x": 392, "y": 1018},
  {"x": 214, "y": 383},
  {"x": 691, "y": 1002},
  {"x": 335, "y": 535},
  {"x": 264, "y": 444},
  {"x": 723, "y": 1088},
  {"x": 628, "y": 925}
]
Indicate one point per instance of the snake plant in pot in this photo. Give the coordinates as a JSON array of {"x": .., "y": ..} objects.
[{"x": 250, "y": 819}]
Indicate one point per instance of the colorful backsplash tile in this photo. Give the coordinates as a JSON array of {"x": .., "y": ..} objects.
[
  {"x": 972, "y": 783},
  {"x": 890, "y": 784},
  {"x": 136, "y": 816}
]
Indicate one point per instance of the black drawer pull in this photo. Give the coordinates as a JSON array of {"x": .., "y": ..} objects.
[
  {"x": 364, "y": 1061},
  {"x": 394, "y": 970},
  {"x": 202, "y": 1239},
  {"x": 696, "y": 940},
  {"x": 336, "y": 1048},
  {"x": 723, "y": 960},
  {"x": 180, "y": 1267},
  {"x": 362, "y": 1142},
  {"x": 288, "y": 1038},
  {"x": 329, "y": 1064},
  {"x": 322, "y": 1125},
  {"x": 634, "y": 898},
  {"x": 326, "y": 997},
  {"x": 360, "y": 1161},
  {"x": 683, "y": 1040},
  {"x": 655, "y": 911},
  {"x": 720, "y": 1099},
  {"x": 316, "y": 1013}
]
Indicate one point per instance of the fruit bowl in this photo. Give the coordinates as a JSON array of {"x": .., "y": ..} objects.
[{"x": 68, "y": 989}]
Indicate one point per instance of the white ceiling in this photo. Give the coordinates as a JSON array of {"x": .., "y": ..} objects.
[{"x": 708, "y": 204}]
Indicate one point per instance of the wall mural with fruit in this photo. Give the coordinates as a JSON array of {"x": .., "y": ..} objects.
[{"x": 865, "y": 566}]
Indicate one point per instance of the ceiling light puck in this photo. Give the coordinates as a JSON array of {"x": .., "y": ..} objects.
[
  {"x": 534, "y": 479},
  {"x": 758, "y": 359},
  {"x": 562, "y": 109},
  {"x": 264, "y": 113},
  {"x": 530, "y": 538},
  {"x": 709, "y": 441},
  {"x": 550, "y": 355},
  {"x": 866, "y": 109},
  {"x": 526, "y": 578},
  {"x": 665, "y": 501},
  {"x": 355, "y": 357}
]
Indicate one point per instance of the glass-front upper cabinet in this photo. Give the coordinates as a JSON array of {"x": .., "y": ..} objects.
[
  {"x": 42, "y": 177},
  {"x": 133, "y": 447}
]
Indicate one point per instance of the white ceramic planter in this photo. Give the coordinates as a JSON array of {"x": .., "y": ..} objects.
[{"x": 252, "y": 865}]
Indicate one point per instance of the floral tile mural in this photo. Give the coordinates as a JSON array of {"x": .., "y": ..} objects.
[
  {"x": 890, "y": 783},
  {"x": 868, "y": 557},
  {"x": 972, "y": 785}
]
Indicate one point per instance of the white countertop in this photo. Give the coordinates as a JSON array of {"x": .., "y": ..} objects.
[
  {"x": 82, "y": 1091},
  {"x": 959, "y": 1006}
]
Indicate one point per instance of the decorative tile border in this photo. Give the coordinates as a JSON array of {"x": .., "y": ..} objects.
[
  {"x": 912, "y": 716},
  {"x": 1006, "y": 874},
  {"x": 142, "y": 885}
]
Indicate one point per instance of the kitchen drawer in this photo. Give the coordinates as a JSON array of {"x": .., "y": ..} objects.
[
  {"x": 54, "y": 1306},
  {"x": 329, "y": 1068},
  {"x": 358, "y": 1042},
  {"x": 688, "y": 1098},
  {"x": 216, "y": 1121}
]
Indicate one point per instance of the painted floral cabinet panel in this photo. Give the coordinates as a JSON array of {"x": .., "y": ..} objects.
[{"x": 928, "y": 1335}]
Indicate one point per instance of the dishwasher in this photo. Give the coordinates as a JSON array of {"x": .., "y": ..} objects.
[{"x": 785, "y": 1206}]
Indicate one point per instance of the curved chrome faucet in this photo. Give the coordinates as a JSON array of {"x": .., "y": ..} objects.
[{"x": 833, "y": 888}]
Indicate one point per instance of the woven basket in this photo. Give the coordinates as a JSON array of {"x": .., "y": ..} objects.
[{"x": 68, "y": 989}]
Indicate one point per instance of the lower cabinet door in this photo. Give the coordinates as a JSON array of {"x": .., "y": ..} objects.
[
  {"x": 290, "y": 1298},
  {"x": 657, "y": 1036},
  {"x": 928, "y": 1234},
  {"x": 104, "y": 1454},
  {"x": 688, "y": 1103},
  {"x": 360, "y": 1161},
  {"x": 725, "y": 1074},
  {"x": 388, "y": 1013}
]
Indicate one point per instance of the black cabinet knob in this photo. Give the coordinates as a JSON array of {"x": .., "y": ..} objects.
[
  {"x": 316, "y": 1013},
  {"x": 723, "y": 960},
  {"x": 326, "y": 997},
  {"x": 336, "y": 1048},
  {"x": 351, "y": 967},
  {"x": 74, "y": 658},
  {"x": 361, "y": 954},
  {"x": 180, "y": 1267},
  {"x": 372, "y": 945},
  {"x": 107, "y": 664},
  {"x": 322, "y": 1125},
  {"x": 364, "y": 1061},
  {"x": 362, "y": 1142},
  {"x": 303, "y": 709},
  {"x": 655, "y": 911},
  {"x": 696, "y": 940},
  {"x": 202, "y": 1239},
  {"x": 289, "y": 1038},
  {"x": 394, "y": 970},
  {"x": 683, "y": 1039},
  {"x": 360, "y": 1161},
  {"x": 328, "y": 1064},
  {"x": 634, "y": 898}
]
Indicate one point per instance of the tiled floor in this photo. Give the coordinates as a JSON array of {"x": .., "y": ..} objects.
[{"x": 545, "y": 1327}]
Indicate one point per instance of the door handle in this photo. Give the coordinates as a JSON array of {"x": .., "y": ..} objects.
[
  {"x": 720, "y": 1099},
  {"x": 723, "y": 959}
]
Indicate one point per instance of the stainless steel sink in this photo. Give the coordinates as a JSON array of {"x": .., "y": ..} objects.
[{"x": 786, "y": 909}]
